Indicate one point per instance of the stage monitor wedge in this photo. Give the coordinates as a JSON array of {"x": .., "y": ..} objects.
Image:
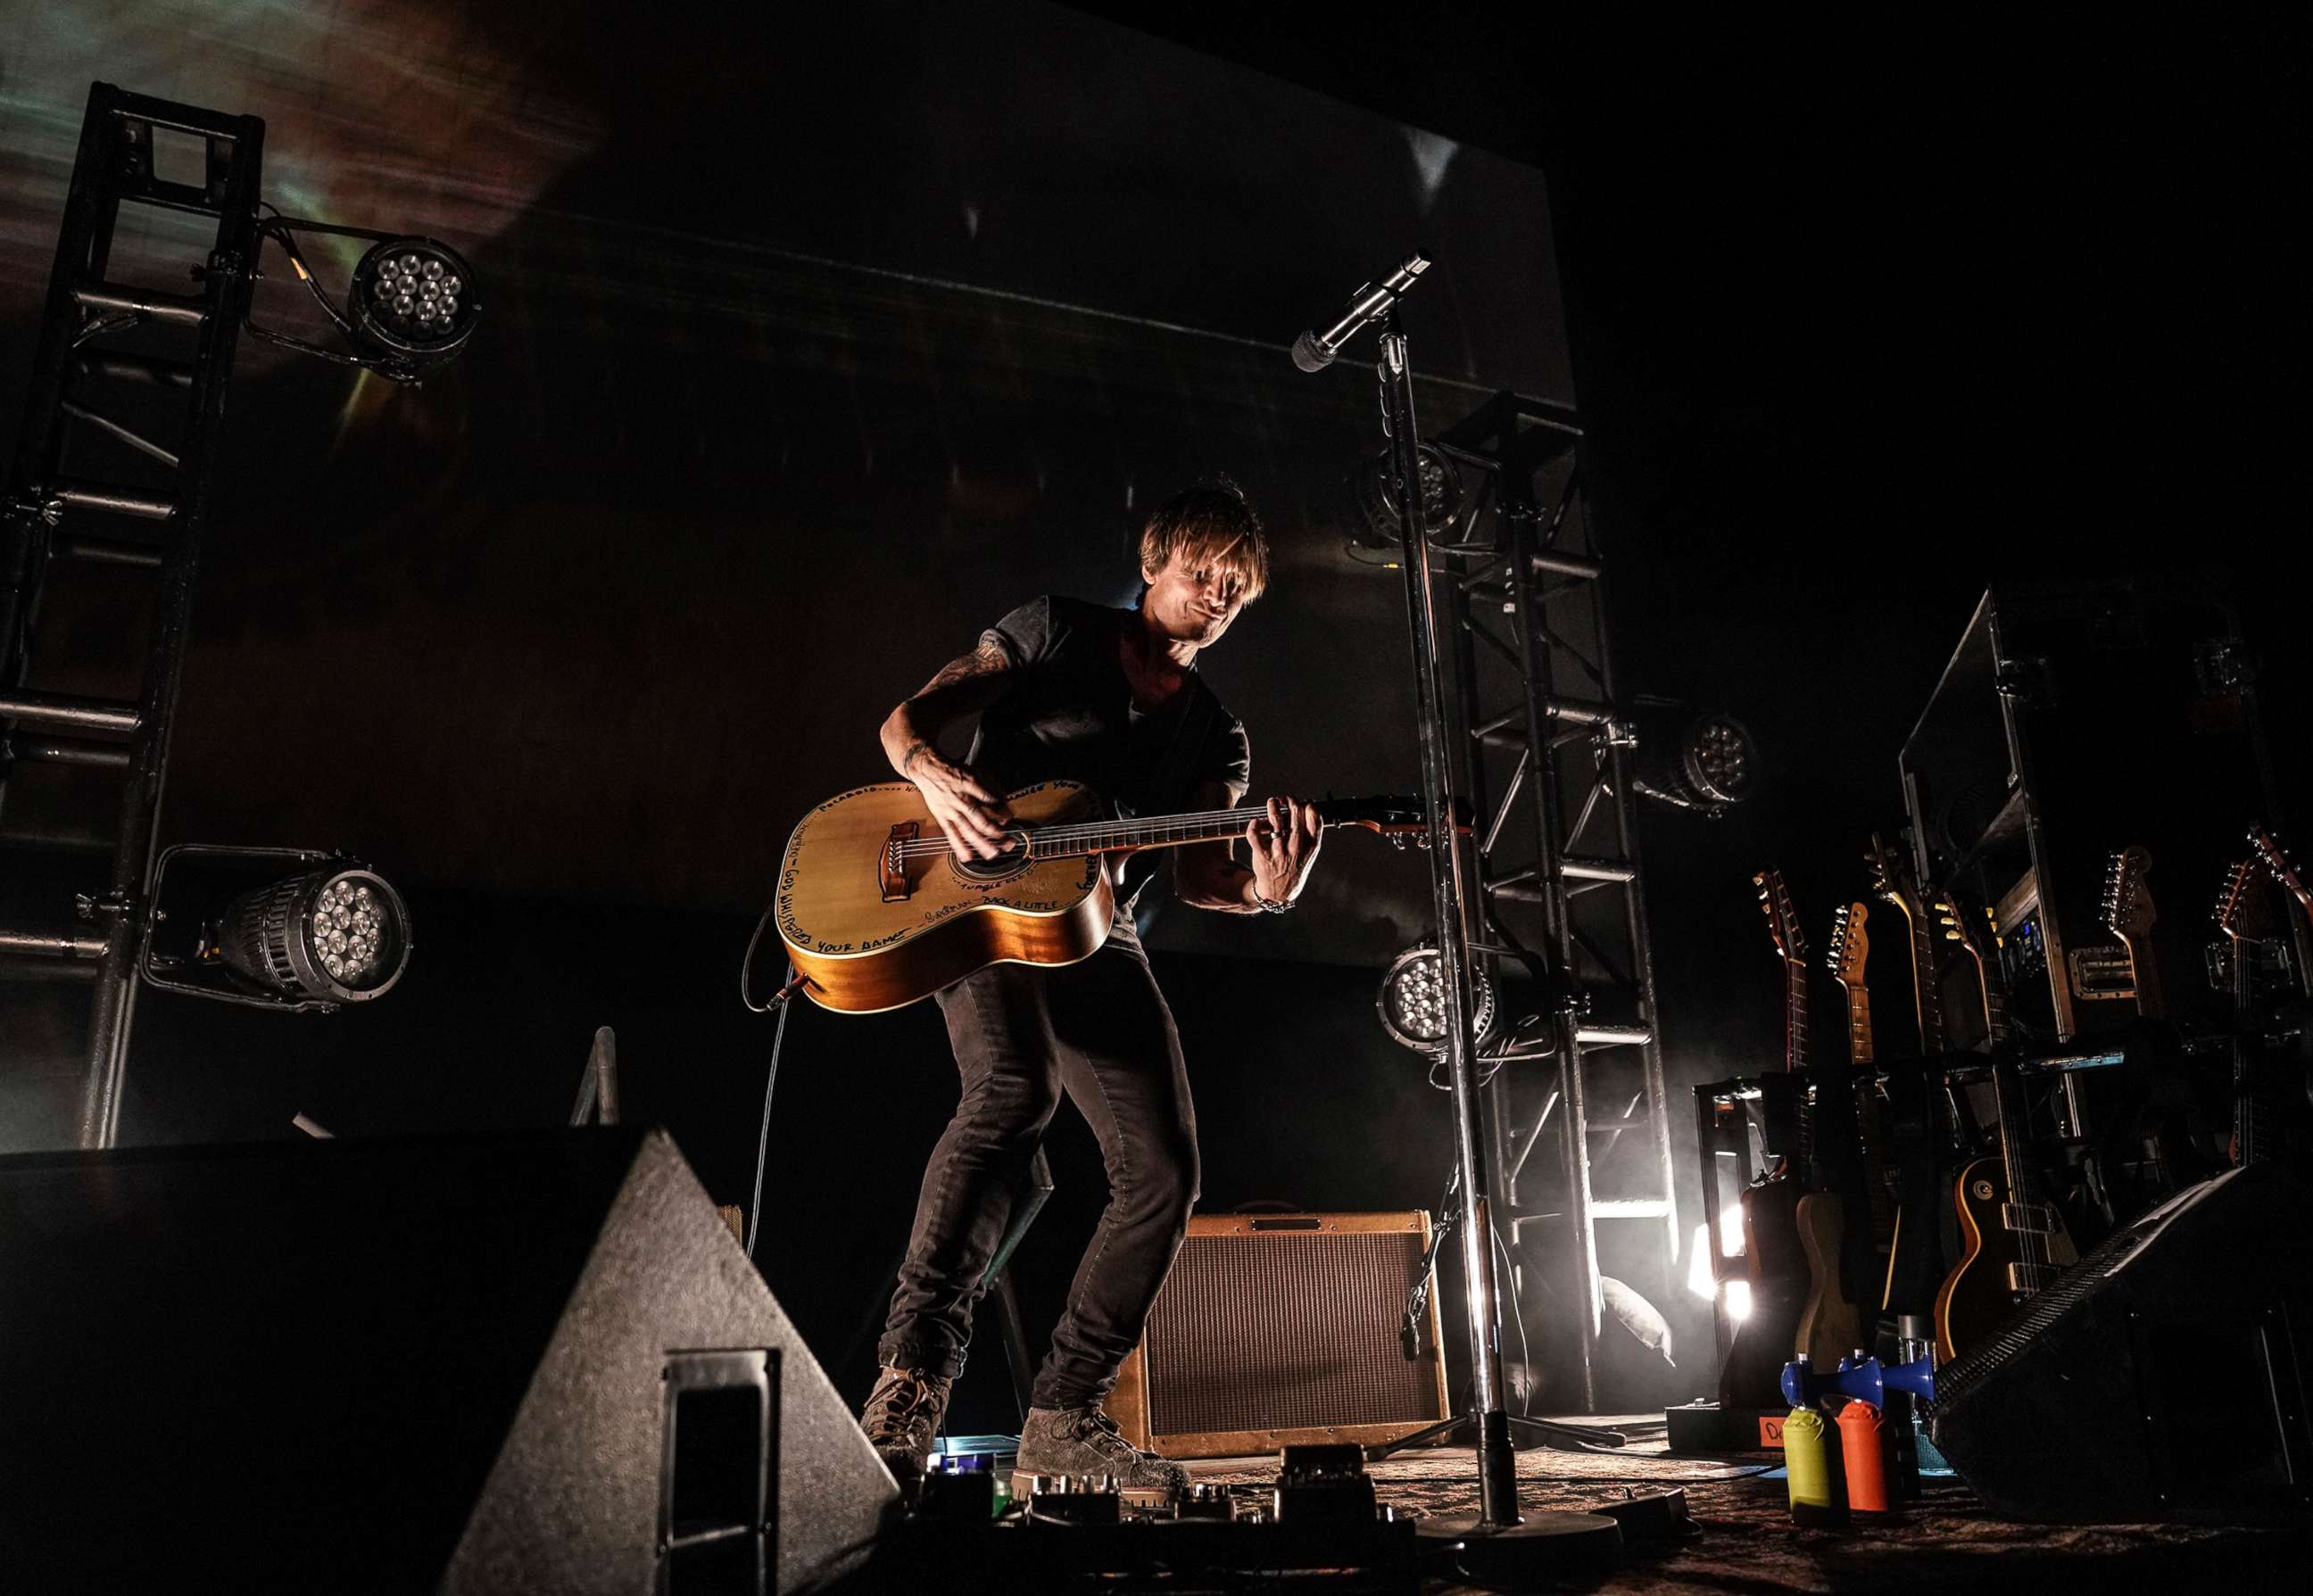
[
  {"x": 506, "y": 1363},
  {"x": 2162, "y": 1378}
]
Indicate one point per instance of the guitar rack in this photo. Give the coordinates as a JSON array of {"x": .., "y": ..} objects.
[{"x": 1750, "y": 1119}]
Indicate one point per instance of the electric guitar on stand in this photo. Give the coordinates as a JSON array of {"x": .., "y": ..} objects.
[
  {"x": 2276, "y": 860},
  {"x": 2129, "y": 915},
  {"x": 2243, "y": 918},
  {"x": 1931, "y": 1122},
  {"x": 2013, "y": 1244},
  {"x": 1851, "y": 946},
  {"x": 1774, "y": 1257}
]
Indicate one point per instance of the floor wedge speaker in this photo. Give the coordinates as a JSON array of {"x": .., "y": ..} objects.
[
  {"x": 1284, "y": 1329},
  {"x": 2162, "y": 1377},
  {"x": 509, "y": 1364}
]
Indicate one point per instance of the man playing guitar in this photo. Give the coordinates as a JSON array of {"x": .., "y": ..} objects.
[{"x": 1110, "y": 697}]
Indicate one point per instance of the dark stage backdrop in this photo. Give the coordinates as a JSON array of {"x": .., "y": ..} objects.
[{"x": 810, "y": 342}]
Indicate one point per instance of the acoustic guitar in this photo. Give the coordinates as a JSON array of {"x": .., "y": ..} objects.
[
  {"x": 2012, "y": 1245},
  {"x": 878, "y": 912}
]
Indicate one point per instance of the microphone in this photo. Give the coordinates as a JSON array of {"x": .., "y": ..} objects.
[{"x": 1314, "y": 351}]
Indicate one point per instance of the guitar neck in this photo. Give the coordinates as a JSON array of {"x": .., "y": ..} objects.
[
  {"x": 1859, "y": 1027},
  {"x": 1868, "y": 1126},
  {"x": 2145, "y": 971},
  {"x": 1795, "y": 1016},
  {"x": 1926, "y": 995},
  {"x": 2014, "y": 1155},
  {"x": 1156, "y": 832}
]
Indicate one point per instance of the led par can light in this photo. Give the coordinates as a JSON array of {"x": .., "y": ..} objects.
[
  {"x": 1441, "y": 498},
  {"x": 1718, "y": 759},
  {"x": 339, "y": 933},
  {"x": 412, "y": 301},
  {"x": 1412, "y": 1000}
]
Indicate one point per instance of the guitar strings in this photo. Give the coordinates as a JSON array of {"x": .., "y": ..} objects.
[{"x": 937, "y": 842}]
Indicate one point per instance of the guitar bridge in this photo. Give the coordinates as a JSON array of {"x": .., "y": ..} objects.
[{"x": 893, "y": 874}]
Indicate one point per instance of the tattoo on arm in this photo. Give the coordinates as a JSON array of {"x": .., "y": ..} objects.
[
  {"x": 986, "y": 660},
  {"x": 908, "y": 759}
]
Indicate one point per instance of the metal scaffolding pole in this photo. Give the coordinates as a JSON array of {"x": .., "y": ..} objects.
[
  {"x": 42, "y": 518},
  {"x": 1561, "y": 892}
]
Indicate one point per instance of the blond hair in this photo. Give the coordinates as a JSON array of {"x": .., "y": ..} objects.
[{"x": 1210, "y": 522}]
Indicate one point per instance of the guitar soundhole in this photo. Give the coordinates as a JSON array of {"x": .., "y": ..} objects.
[{"x": 1013, "y": 861}]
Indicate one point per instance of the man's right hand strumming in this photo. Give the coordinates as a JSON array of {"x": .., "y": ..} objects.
[
  {"x": 972, "y": 817},
  {"x": 971, "y": 813}
]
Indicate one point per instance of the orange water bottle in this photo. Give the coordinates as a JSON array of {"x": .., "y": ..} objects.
[{"x": 1863, "y": 1438}]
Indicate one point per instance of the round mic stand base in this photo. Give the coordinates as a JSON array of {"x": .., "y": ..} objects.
[{"x": 1542, "y": 1551}]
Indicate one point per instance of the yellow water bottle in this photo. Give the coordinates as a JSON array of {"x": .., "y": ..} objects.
[{"x": 1812, "y": 1462}]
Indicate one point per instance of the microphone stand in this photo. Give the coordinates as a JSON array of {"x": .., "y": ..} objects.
[{"x": 1497, "y": 1538}]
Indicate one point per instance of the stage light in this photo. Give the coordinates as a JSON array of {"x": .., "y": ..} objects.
[
  {"x": 1705, "y": 762},
  {"x": 338, "y": 934},
  {"x": 410, "y": 308},
  {"x": 1413, "y": 1001},
  {"x": 1376, "y": 526},
  {"x": 412, "y": 302}
]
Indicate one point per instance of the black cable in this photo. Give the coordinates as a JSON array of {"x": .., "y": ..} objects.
[
  {"x": 771, "y": 1080},
  {"x": 747, "y": 966}
]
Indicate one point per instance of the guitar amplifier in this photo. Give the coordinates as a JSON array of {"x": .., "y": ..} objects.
[{"x": 1282, "y": 1329}]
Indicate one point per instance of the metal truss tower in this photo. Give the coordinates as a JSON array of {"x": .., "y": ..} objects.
[
  {"x": 92, "y": 485},
  {"x": 1546, "y": 745}
]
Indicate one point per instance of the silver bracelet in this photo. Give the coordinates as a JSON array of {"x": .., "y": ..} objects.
[{"x": 1269, "y": 905}]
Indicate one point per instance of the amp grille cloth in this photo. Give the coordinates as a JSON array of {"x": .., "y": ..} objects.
[{"x": 1285, "y": 1331}]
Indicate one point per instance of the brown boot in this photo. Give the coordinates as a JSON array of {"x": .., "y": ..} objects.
[
  {"x": 903, "y": 1420},
  {"x": 1086, "y": 1441}
]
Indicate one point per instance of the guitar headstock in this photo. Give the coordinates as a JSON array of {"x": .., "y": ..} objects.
[
  {"x": 1782, "y": 924},
  {"x": 2128, "y": 909},
  {"x": 1893, "y": 882},
  {"x": 2276, "y": 860},
  {"x": 1399, "y": 818},
  {"x": 1971, "y": 926},
  {"x": 1849, "y": 944},
  {"x": 2241, "y": 910}
]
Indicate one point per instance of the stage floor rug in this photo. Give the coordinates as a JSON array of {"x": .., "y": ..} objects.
[{"x": 1745, "y": 1541}]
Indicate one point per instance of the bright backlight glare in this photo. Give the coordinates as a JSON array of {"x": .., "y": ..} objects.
[
  {"x": 1738, "y": 1299},
  {"x": 1698, "y": 1278}
]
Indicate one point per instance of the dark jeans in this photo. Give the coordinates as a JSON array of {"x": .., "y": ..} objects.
[{"x": 1100, "y": 1030}]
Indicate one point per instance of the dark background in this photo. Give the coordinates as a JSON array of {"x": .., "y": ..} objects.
[{"x": 811, "y": 344}]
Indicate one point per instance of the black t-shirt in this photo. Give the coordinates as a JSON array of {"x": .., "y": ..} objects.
[{"x": 1070, "y": 715}]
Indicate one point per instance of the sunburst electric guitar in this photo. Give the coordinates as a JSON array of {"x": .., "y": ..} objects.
[
  {"x": 877, "y": 911},
  {"x": 2013, "y": 1244},
  {"x": 1774, "y": 1256}
]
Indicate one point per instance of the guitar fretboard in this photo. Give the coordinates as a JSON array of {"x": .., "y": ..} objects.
[{"x": 1163, "y": 831}]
